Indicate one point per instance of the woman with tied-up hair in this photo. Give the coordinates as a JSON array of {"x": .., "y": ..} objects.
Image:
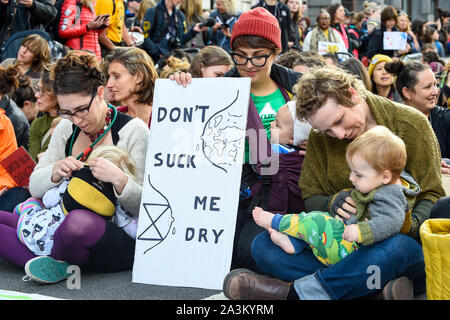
[
  {"x": 84, "y": 238},
  {"x": 131, "y": 77}
]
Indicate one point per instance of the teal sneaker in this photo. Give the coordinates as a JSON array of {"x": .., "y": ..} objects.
[{"x": 47, "y": 270}]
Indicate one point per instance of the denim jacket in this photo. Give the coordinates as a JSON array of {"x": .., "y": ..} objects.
[{"x": 218, "y": 38}]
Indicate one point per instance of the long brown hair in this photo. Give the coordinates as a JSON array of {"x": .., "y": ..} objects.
[
  {"x": 297, "y": 15},
  {"x": 191, "y": 9},
  {"x": 41, "y": 50},
  {"x": 143, "y": 7},
  {"x": 209, "y": 56}
]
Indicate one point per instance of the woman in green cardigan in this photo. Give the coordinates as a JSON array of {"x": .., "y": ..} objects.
[
  {"x": 337, "y": 105},
  {"x": 40, "y": 130}
]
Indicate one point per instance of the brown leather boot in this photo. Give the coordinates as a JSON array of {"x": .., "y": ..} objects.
[
  {"x": 399, "y": 289},
  {"x": 244, "y": 284}
]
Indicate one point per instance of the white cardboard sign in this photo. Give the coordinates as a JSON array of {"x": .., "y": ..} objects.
[
  {"x": 191, "y": 185},
  {"x": 324, "y": 47},
  {"x": 394, "y": 40}
]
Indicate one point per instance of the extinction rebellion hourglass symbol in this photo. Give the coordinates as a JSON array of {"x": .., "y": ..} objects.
[{"x": 160, "y": 215}]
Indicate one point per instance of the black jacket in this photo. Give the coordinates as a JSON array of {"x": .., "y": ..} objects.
[
  {"x": 375, "y": 45},
  {"x": 157, "y": 37},
  {"x": 18, "y": 119},
  {"x": 295, "y": 35},
  {"x": 440, "y": 121},
  {"x": 283, "y": 15},
  {"x": 15, "y": 17}
]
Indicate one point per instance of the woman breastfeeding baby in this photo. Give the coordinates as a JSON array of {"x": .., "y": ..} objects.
[
  {"x": 77, "y": 231},
  {"x": 38, "y": 220}
]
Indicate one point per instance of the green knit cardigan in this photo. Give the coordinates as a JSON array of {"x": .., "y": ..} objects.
[{"x": 325, "y": 170}]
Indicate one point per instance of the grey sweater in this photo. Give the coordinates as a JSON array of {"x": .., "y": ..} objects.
[{"x": 384, "y": 208}]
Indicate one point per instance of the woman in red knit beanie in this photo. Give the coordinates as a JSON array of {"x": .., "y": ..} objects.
[
  {"x": 257, "y": 36},
  {"x": 255, "y": 44}
]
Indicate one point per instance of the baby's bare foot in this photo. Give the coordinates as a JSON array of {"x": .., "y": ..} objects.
[
  {"x": 281, "y": 240},
  {"x": 262, "y": 218}
]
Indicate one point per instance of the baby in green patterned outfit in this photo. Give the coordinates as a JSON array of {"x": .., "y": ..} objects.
[{"x": 383, "y": 194}]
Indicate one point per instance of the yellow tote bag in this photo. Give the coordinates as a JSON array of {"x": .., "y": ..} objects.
[{"x": 435, "y": 235}]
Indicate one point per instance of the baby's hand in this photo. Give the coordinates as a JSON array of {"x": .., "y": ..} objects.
[
  {"x": 351, "y": 233},
  {"x": 64, "y": 168},
  {"x": 106, "y": 171}
]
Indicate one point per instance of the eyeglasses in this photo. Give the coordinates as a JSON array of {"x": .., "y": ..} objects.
[
  {"x": 38, "y": 90},
  {"x": 257, "y": 61},
  {"x": 80, "y": 113}
]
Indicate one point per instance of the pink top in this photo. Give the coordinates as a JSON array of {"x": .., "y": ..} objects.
[{"x": 124, "y": 109}]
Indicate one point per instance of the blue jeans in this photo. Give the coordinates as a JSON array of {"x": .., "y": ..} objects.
[
  {"x": 362, "y": 273},
  {"x": 441, "y": 209}
]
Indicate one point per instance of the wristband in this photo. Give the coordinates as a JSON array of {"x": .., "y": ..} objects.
[{"x": 414, "y": 230}]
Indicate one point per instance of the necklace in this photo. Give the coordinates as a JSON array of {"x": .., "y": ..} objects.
[
  {"x": 107, "y": 123},
  {"x": 82, "y": 156}
]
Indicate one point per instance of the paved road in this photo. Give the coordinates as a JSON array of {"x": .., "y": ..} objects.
[{"x": 110, "y": 286}]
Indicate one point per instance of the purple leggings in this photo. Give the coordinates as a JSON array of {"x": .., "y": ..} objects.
[{"x": 79, "y": 232}]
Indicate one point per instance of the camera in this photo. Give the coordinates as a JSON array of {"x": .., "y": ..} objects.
[
  {"x": 174, "y": 43},
  {"x": 224, "y": 26},
  {"x": 207, "y": 23}
]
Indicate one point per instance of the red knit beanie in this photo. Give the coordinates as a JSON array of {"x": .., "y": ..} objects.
[{"x": 257, "y": 22}]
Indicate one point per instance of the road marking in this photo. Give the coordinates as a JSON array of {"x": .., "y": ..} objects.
[
  {"x": 219, "y": 296},
  {"x": 14, "y": 295}
]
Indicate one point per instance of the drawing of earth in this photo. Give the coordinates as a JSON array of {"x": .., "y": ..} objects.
[{"x": 222, "y": 137}]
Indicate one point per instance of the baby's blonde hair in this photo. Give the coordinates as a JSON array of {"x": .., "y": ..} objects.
[
  {"x": 118, "y": 156},
  {"x": 381, "y": 149}
]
